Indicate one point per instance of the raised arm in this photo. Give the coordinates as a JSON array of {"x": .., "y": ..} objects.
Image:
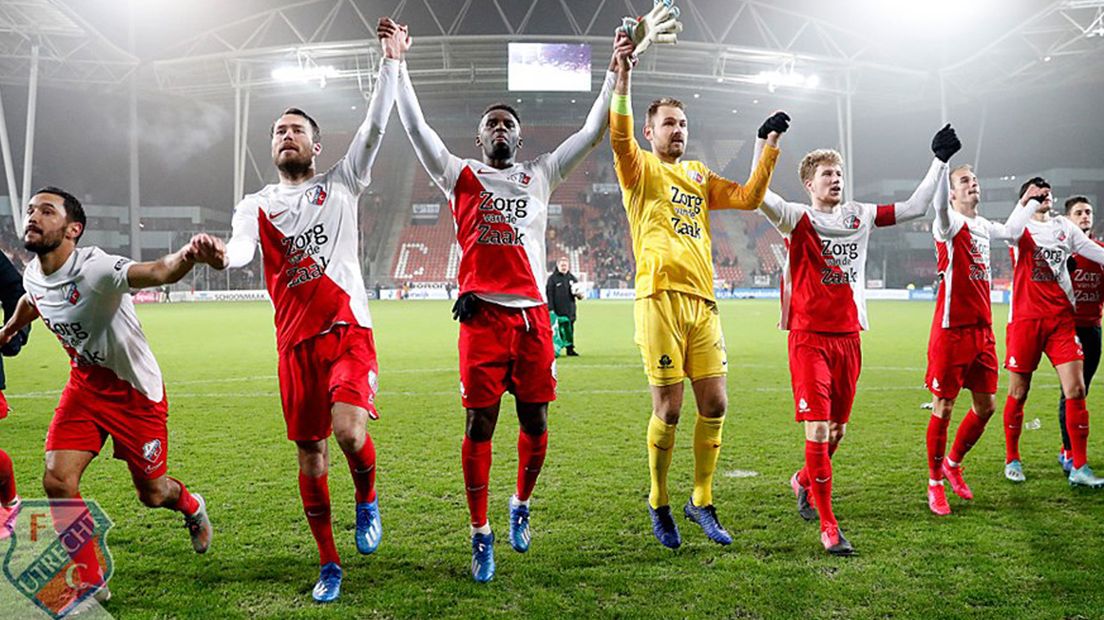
[
  {"x": 945, "y": 143},
  {"x": 171, "y": 268},
  {"x": 726, "y": 194},
  {"x": 628, "y": 160},
  {"x": 431, "y": 150},
  {"x": 1012, "y": 228},
  {"x": 942, "y": 204},
  {"x": 366, "y": 142},
  {"x": 571, "y": 152}
]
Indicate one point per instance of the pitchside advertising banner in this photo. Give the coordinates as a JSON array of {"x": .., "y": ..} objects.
[
  {"x": 426, "y": 211},
  {"x": 43, "y": 581}
]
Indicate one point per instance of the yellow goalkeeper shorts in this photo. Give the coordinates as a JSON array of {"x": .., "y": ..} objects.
[{"x": 679, "y": 336}]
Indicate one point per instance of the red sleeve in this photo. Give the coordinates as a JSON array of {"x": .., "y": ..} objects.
[{"x": 886, "y": 215}]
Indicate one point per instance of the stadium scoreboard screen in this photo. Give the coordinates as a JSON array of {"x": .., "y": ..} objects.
[{"x": 549, "y": 66}]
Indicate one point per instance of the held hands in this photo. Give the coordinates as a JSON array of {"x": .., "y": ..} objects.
[
  {"x": 207, "y": 249},
  {"x": 773, "y": 127},
  {"x": 624, "y": 58},
  {"x": 945, "y": 143},
  {"x": 660, "y": 25},
  {"x": 394, "y": 38}
]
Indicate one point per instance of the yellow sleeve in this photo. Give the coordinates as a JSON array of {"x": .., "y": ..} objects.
[
  {"x": 725, "y": 194},
  {"x": 627, "y": 158}
]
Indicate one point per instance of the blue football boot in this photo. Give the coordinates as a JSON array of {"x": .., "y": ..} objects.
[
  {"x": 369, "y": 528},
  {"x": 519, "y": 525},
  {"x": 664, "y": 528},
  {"x": 328, "y": 587},
  {"x": 483, "y": 564}
]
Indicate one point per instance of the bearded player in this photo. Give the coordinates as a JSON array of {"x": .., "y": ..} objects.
[
  {"x": 500, "y": 207},
  {"x": 677, "y": 324},
  {"x": 1041, "y": 320},
  {"x": 824, "y": 308},
  {"x": 306, "y": 227},
  {"x": 1087, "y": 278},
  {"x": 962, "y": 350},
  {"x": 115, "y": 387}
]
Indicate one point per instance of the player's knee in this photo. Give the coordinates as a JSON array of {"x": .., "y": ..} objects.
[
  {"x": 350, "y": 437},
  {"x": 942, "y": 407},
  {"x": 715, "y": 408},
  {"x": 152, "y": 496},
  {"x": 817, "y": 431},
  {"x": 56, "y": 486},
  {"x": 1075, "y": 392},
  {"x": 480, "y": 425}
]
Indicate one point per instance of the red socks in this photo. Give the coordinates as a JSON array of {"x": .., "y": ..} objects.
[
  {"x": 476, "y": 460},
  {"x": 71, "y": 515},
  {"x": 7, "y": 479},
  {"x": 1013, "y": 426},
  {"x": 362, "y": 466},
  {"x": 819, "y": 467},
  {"x": 969, "y": 431},
  {"x": 937, "y": 445},
  {"x": 531, "y": 451},
  {"x": 316, "y": 504},
  {"x": 1077, "y": 425},
  {"x": 186, "y": 503},
  {"x": 803, "y": 475}
]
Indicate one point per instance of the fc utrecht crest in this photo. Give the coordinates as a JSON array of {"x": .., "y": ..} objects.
[
  {"x": 520, "y": 178},
  {"x": 853, "y": 222},
  {"x": 72, "y": 295},
  {"x": 38, "y": 560},
  {"x": 316, "y": 195}
]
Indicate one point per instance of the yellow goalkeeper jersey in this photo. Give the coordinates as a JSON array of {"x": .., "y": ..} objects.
[{"x": 667, "y": 207}]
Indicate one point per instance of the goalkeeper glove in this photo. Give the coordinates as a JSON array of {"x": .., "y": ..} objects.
[
  {"x": 660, "y": 25},
  {"x": 779, "y": 121}
]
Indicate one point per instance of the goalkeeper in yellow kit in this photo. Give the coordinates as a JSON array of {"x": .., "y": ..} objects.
[{"x": 678, "y": 327}]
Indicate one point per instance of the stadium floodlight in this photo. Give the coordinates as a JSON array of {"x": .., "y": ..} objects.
[{"x": 299, "y": 73}]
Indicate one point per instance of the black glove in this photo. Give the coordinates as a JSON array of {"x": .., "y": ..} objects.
[
  {"x": 465, "y": 307},
  {"x": 779, "y": 121},
  {"x": 945, "y": 143}
]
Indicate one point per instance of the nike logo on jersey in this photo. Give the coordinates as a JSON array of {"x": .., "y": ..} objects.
[
  {"x": 485, "y": 171},
  {"x": 276, "y": 214}
]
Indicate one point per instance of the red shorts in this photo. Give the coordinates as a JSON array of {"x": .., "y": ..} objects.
[
  {"x": 1028, "y": 339},
  {"x": 507, "y": 349},
  {"x": 96, "y": 404},
  {"x": 824, "y": 369},
  {"x": 338, "y": 366},
  {"x": 962, "y": 357}
]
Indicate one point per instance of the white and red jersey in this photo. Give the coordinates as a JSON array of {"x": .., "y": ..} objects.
[
  {"x": 962, "y": 256},
  {"x": 1087, "y": 278},
  {"x": 824, "y": 278},
  {"x": 1041, "y": 283},
  {"x": 501, "y": 215},
  {"x": 86, "y": 303},
  {"x": 309, "y": 237}
]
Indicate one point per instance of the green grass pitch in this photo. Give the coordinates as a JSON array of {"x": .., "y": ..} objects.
[{"x": 1031, "y": 551}]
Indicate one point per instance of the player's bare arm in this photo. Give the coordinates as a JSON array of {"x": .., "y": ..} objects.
[{"x": 172, "y": 267}]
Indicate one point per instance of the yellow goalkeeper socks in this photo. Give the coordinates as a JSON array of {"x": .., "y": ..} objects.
[
  {"x": 661, "y": 441},
  {"x": 707, "y": 448}
]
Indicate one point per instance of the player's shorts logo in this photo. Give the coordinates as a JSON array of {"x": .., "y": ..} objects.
[
  {"x": 38, "y": 561},
  {"x": 665, "y": 362},
  {"x": 316, "y": 195},
  {"x": 151, "y": 451},
  {"x": 1011, "y": 362},
  {"x": 803, "y": 406},
  {"x": 935, "y": 384}
]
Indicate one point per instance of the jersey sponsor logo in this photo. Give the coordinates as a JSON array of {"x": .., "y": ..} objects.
[
  {"x": 299, "y": 248},
  {"x": 520, "y": 178},
  {"x": 838, "y": 258},
  {"x": 316, "y": 195},
  {"x": 66, "y": 331},
  {"x": 72, "y": 295},
  {"x": 493, "y": 236},
  {"x": 682, "y": 198},
  {"x": 151, "y": 450},
  {"x": 509, "y": 207}
]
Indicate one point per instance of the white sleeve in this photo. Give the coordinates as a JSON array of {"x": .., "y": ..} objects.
[
  {"x": 107, "y": 272},
  {"x": 572, "y": 151},
  {"x": 917, "y": 204},
  {"x": 1081, "y": 244},
  {"x": 443, "y": 167},
  {"x": 357, "y": 163},
  {"x": 941, "y": 202},
  {"x": 245, "y": 236},
  {"x": 783, "y": 215},
  {"x": 1012, "y": 228}
]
